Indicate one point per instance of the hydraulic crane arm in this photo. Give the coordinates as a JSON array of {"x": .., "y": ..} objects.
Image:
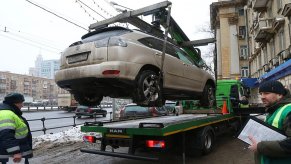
[{"x": 159, "y": 13}]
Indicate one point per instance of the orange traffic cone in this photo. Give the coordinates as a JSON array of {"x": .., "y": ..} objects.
[{"x": 224, "y": 108}]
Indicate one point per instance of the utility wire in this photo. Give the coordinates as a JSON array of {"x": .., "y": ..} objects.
[
  {"x": 22, "y": 37},
  {"x": 57, "y": 15},
  {"x": 86, "y": 11},
  {"x": 106, "y": 12},
  {"x": 91, "y": 8},
  {"x": 30, "y": 37},
  {"x": 28, "y": 43}
]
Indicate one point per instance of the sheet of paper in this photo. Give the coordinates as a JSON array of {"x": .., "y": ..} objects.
[
  {"x": 260, "y": 132},
  {"x": 11, "y": 161}
]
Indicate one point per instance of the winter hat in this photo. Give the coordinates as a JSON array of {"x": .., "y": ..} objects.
[
  {"x": 273, "y": 87},
  {"x": 13, "y": 98}
]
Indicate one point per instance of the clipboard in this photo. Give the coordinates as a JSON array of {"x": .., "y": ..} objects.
[
  {"x": 11, "y": 161},
  {"x": 261, "y": 131}
]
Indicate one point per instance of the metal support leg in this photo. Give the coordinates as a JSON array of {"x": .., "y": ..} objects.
[{"x": 183, "y": 147}]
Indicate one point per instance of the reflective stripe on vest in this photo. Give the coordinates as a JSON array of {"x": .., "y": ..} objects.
[
  {"x": 12, "y": 149},
  {"x": 9, "y": 120},
  {"x": 278, "y": 116}
]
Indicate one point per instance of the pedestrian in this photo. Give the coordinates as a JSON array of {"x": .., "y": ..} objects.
[
  {"x": 278, "y": 106},
  {"x": 244, "y": 102},
  {"x": 15, "y": 135}
]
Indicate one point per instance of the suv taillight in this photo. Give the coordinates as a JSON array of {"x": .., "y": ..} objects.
[{"x": 115, "y": 41}]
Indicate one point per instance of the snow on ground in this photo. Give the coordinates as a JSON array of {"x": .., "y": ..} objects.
[{"x": 51, "y": 140}]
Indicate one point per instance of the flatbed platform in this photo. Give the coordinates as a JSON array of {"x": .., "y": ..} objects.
[{"x": 157, "y": 126}]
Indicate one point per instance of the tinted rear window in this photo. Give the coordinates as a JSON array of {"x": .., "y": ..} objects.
[
  {"x": 103, "y": 35},
  {"x": 135, "y": 108}
]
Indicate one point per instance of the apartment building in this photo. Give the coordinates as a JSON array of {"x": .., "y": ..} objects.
[
  {"x": 44, "y": 68},
  {"x": 255, "y": 42},
  {"x": 36, "y": 87}
]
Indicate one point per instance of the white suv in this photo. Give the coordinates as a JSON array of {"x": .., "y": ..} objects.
[{"x": 123, "y": 63}]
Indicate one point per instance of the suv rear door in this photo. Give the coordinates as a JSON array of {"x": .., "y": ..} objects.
[
  {"x": 173, "y": 67},
  {"x": 193, "y": 76}
]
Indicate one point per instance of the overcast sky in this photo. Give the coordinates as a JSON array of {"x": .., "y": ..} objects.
[{"x": 27, "y": 31}]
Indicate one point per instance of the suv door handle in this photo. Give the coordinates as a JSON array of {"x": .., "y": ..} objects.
[{"x": 158, "y": 54}]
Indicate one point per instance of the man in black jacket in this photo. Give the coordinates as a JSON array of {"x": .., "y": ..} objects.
[
  {"x": 278, "y": 106},
  {"x": 15, "y": 135}
]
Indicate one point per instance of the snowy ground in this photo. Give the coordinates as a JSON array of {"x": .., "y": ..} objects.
[{"x": 72, "y": 135}]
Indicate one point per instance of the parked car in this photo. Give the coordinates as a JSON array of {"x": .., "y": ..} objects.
[
  {"x": 170, "y": 106},
  {"x": 134, "y": 110},
  {"x": 36, "y": 103},
  {"x": 123, "y": 63},
  {"x": 82, "y": 110},
  {"x": 159, "y": 111}
]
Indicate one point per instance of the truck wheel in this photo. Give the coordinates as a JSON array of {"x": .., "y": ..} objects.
[
  {"x": 200, "y": 143},
  {"x": 88, "y": 99},
  {"x": 208, "y": 96},
  {"x": 148, "y": 92}
]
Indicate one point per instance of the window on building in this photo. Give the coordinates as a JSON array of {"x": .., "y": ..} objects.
[
  {"x": 265, "y": 55},
  {"x": 272, "y": 48},
  {"x": 281, "y": 40},
  {"x": 244, "y": 71},
  {"x": 241, "y": 12},
  {"x": 242, "y": 31},
  {"x": 244, "y": 52},
  {"x": 279, "y": 5}
]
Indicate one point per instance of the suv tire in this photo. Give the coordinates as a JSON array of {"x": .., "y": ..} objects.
[
  {"x": 148, "y": 89},
  {"x": 208, "y": 96}
]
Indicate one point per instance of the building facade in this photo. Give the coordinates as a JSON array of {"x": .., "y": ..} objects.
[
  {"x": 228, "y": 21},
  {"x": 253, "y": 40},
  {"x": 36, "y": 87},
  {"x": 44, "y": 68}
]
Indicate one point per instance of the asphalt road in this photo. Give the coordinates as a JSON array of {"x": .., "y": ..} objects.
[{"x": 52, "y": 123}]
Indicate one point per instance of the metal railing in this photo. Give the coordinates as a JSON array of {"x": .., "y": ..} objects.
[
  {"x": 37, "y": 108},
  {"x": 44, "y": 128}
]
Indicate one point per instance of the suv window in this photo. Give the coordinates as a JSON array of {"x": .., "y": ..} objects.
[
  {"x": 102, "y": 35},
  {"x": 184, "y": 57},
  {"x": 157, "y": 44}
]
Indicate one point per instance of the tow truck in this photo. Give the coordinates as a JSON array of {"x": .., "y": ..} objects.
[{"x": 194, "y": 130}]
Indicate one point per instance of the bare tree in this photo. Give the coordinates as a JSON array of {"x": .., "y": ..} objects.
[{"x": 209, "y": 50}]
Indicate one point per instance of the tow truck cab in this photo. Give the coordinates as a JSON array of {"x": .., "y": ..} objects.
[{"x": 232, "y": 91}]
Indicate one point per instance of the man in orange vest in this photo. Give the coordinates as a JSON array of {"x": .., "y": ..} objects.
[{"x": 278, "y": 106}]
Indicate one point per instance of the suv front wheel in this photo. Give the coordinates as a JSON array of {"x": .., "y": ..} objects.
[{"x": 208, "y": 96}]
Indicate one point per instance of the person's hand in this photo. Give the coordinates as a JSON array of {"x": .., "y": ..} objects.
[
  {"x": 17, "y": 158},
  {"x": 254, "y": 144}
]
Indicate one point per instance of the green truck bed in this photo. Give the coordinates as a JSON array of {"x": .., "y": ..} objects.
[{"x": 157, "y": 126}]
